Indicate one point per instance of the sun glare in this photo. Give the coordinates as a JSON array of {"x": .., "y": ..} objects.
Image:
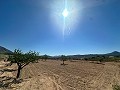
[{"x": 65, "y": 13}]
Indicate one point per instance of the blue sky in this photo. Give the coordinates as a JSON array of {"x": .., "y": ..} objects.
[{"x": 27, "y": 24}]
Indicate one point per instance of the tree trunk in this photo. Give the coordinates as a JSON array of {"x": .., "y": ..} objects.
[
  {"x": 63, "y": 62},
  {"x": 18, "y": 72}
]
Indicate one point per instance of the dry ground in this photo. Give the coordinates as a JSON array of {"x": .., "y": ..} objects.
[{"x": 78, "y": 75}]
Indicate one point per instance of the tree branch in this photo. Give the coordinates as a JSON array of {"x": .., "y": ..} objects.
[{"x": 25, "y": 64}]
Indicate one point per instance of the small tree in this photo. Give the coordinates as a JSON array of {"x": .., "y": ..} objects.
[
  {"x": 100, "y": 58},
  {"x": 63, "y": 58},
  {"x": 69, "y": 58},
  {"x": 22, "y": 59}
]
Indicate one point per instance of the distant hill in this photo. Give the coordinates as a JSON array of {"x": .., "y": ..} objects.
[
  {"x": 3, "y": 50},
  {"x": 115, "y": 53}
]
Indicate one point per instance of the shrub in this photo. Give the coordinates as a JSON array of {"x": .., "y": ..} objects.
[{"x": 116, "y": 87}]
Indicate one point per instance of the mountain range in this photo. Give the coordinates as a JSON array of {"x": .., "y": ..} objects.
[
  {"x": 3, "y": 50},
  {"x": 114, "y": 53}
]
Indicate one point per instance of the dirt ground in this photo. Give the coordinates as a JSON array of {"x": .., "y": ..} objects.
[{"x": 50, "y": 75}]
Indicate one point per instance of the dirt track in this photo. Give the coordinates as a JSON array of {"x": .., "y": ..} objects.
[{"x": 79, "y": 75}]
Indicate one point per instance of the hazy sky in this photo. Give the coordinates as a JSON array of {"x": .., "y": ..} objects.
[{"x": 30, "y": 25}]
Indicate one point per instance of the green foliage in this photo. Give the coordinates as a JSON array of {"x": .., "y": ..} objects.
[
  {"x": 116, "y": 87},
  {"x": 63, "y": 58},
  {"x": 22, "y": 59},
  {"x": 68, "y": 57},
  {"x": 19, "y": 57},
  {"x": 3, "y": 56}
]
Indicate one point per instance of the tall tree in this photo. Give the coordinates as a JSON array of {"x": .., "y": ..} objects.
[{"x": 22, "y": 59}]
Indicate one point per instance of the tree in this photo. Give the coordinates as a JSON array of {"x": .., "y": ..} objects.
[
  {"x": 69, "y": 58},
  {"x": 22, "y": 59},
  {"x": 100, "y": 58},
  {"x": 63, "y": 58}
]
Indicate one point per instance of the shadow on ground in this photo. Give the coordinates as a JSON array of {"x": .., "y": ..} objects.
[
  {"x": 8, "y": 70},
  {"x": 64, "y": 64},
  {"x": 6, "y": 82}
]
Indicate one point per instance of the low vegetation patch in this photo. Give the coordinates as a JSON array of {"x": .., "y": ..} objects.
[{"x": 116, "y": 87}]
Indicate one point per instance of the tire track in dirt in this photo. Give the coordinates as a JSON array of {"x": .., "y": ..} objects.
[
  {"x": 105, "y": 79},
  {"x": 68, "y": 77},
  {"x": 38, "y": 73},
  {"x": 78, "y": 76},
  {"x": 58, "y": 87}
]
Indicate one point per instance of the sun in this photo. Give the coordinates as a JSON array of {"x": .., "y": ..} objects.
[{"x": 65, "y": 13}]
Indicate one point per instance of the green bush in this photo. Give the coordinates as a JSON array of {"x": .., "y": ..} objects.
[{"x": 116, "y": 87}]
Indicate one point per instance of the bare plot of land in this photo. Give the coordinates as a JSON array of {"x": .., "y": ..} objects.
[{"x": 79, "y": 75}]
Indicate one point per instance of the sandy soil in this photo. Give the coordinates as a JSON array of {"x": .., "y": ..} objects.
[{"x": 79, "y": 75}]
